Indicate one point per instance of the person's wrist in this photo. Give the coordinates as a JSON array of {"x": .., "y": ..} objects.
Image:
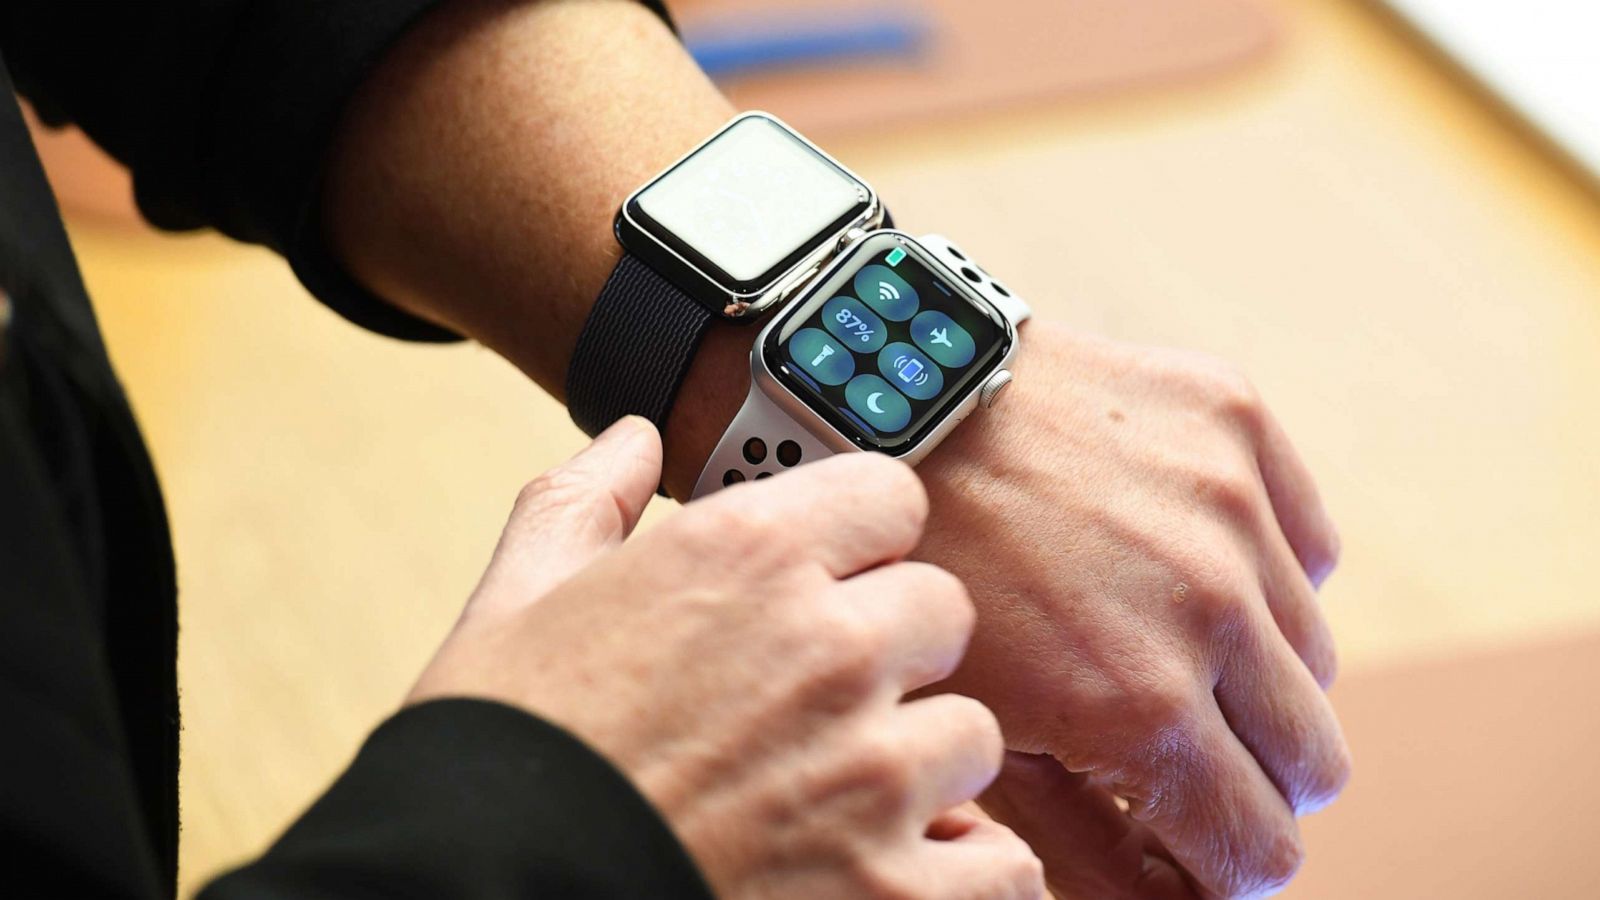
[
  {"x": 474, "y": 177},
  {"x": 716, "y": 387}
]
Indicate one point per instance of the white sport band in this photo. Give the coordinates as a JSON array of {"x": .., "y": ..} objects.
[{"x": 764, "y": 439}]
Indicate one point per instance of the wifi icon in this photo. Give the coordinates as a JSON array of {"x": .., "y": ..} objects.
[{"x": 887, "y": 293}]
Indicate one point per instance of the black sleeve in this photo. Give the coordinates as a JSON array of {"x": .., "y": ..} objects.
[
  {"x": 222, "y": 109},
  {"x": 470, "y": 799},
  {"x": 459, "y": 799}
]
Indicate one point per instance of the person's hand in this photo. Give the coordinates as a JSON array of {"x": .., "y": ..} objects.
[
  {"x": 744, "y": 663},
  {"x": 1144, "y": 548}
]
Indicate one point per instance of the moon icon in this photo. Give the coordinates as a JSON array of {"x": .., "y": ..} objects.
[{"x": 872, "y": 402}]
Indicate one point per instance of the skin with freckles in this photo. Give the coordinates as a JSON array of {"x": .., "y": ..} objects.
[{"x": 1141, "y": 541}]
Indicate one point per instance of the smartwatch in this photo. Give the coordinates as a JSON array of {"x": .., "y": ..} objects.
[
  {"x": 887, "y": 351},
  {"x": 737, "y": 226}
]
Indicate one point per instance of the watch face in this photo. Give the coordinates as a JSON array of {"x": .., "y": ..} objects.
[
  {"x": 750, "y": 203},
  {"x": 886, "y": 346}
]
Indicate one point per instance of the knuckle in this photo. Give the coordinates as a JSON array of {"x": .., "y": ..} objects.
[
  {"x": 852, "y": 651},
  {"x": 562, "y": 491},
  {"x": 1024, "y": 870},
  {"x": 979, "y": 728},
  {"x": 1331, "y": 548},
  {"x": 1324, "y": 664},
  {"x": 529, "y": 496},
  {"x": 1235, "y": 493},
  {"x": 1265, "y": 867},
  {"x": 1142, "y": 726},
  {"x": 911, "y": 491},
  {"x": 876, "y": 879},
  {"x": 1168, "y": 702},
  {"x": 1153, "y": 757},
  {"x": 1275, "y": 866},
  {"x": 898, "y": 482},
  {"x": 556, "y": 487},
  {"x": 706, "y": 524},
  {"x": 897, "y": 477},
  {"x": 854, "y": 640},
  {"x": 1223, "y": 613},
  {"x": 733, "y": 530},
  {"x": 756, "y": 524},
  {"x": 1324, "y": 780},
  {"x": 1322, "y": 555},
  {"x": 881, "y": 767},
  {"x": 937, "y": 590},
  {"x": 1236, "y": 398}
]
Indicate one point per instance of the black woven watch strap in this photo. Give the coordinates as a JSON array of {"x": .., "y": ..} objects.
[
  {"x": 634, "y": 350},
  {"x": 636, "y": 347}
]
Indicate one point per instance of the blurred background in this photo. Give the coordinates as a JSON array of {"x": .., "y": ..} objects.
[{"x": 1387, "y": 214}]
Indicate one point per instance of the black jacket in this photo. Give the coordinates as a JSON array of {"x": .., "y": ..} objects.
[{"x": 222, "y": 110}]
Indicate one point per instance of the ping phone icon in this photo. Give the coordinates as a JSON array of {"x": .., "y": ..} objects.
[{"x": 910, "y": 370}]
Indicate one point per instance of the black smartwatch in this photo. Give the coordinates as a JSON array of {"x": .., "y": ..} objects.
[{"x": 742, "y": 223}]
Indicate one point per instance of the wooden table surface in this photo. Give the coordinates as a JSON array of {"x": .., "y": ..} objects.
[{"x": 1414, "y": 285}]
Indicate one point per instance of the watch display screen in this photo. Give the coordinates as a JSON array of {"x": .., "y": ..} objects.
[
  {"x": 887, "y": 345},
  {"x": 749, "y": 201}
]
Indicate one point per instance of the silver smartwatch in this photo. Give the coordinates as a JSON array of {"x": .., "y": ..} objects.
[
  {"x": 747, "y": 217},
  {"x": 886, "y": 350},
  {"x": 730, "y": 231}
]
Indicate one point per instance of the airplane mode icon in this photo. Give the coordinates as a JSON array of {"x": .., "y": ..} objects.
[{"x": 941, "y": 336}]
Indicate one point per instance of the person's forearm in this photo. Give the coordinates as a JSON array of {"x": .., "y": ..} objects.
[{"x": 478, "y": 171}]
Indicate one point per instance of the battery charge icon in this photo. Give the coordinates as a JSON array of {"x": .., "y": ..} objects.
[{"x": 896, "y": 255}]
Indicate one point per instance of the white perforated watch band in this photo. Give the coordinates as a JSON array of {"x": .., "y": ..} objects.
[
  {"x": 764, "y": 439},
  {"x": 1010, "y": 305}
]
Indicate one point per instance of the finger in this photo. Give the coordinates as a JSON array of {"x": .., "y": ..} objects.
[
  {"x": 1280, "y": 713},
  {"x": 854, "y": 511},
  {"x": 1296, "y": 502},
  {"x": 956, "y": 822},
  {"x": 1090, "y": 847},
  {"x": 954, "y": 747},
  {"x": 567, "y": 516},
  {"x": 1208, "y": 801},
  {"x": 1292, "y": 600},
  {"x": 988, "y": 860},
  {"x": 923, "y": 612}
]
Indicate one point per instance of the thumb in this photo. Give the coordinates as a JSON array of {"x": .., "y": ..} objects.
[{"x": 571, "y": 514}]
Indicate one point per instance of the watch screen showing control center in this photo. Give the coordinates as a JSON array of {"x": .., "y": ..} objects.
[
  {"x": 744, "y": 203},
  {"x": 886, "y": 346}
]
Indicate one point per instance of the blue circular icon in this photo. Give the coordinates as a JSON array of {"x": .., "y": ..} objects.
[
  {"x": 821, "y": 357},
  {"x": 878, "y": 404},
  {"x": 912, "y": 372},
  {"x": 941, "y": 338},
  {"x": 886, "y": 292},
  {"x": 854, "y": 325}
]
